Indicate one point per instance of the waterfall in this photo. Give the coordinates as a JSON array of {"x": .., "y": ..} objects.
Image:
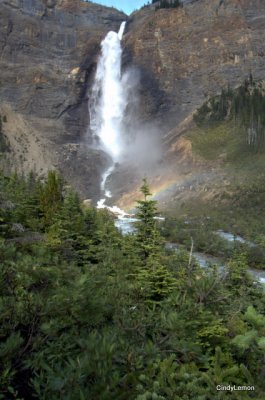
[
  {"x": 108, "y": 99},
  {"x": 107, "y": 106}
]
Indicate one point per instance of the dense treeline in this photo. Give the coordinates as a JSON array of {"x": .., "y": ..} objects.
[
  {"x": 89, "y": 314},
  {"x": 167, "y": 3},
  {"x": 244, "y": 105}
]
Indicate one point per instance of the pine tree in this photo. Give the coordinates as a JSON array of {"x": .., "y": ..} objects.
[
  {"x": 148, "y": 238},
  {"x": 51, "y": 197},
  {"x": 155, "y": 281}
]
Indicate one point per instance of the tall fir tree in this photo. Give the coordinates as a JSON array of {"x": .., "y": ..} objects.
[
  {"x": 148, "y": 237},
  {"x": 155, "y": 281},
  {"x": 51, "y": 198}
]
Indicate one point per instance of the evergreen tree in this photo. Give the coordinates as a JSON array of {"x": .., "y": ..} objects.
[
  {"x": 51, "y": 197},
  {"x": 148, "y": 238},
  {"x": 81, "y": 325},
  {"x": 154, "y": 279},
  {"x": 168, "y": 3}
]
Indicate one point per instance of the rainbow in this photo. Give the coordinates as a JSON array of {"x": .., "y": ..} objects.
[{"x": 128, "y": 200}]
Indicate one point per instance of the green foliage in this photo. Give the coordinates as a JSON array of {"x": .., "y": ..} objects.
[
  {"x": 153, "y": 279},
  {"x": 3, "y": 141},
  {"x": 155, "y": 282},
  {"x": 168, "y": 4},
  {"x": 237, "y": 195},
  {"x": 238, "y": 276},
  {"x": 51, "y": 197},
  {"x": 179, "y": 230},
  {"x": 88, "y": 314},
  {"x": 244, "y": 105},
  {"x": 250, "y": 345},
  {"x": 216, "y": 109},
  {"x": 148, "y": 238},
  {"x": 248, "y": 110}
]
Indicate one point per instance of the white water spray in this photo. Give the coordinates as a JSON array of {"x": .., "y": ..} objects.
[
  {"x": 107, "y": 107},
  {"x": 108, "y": 100}
]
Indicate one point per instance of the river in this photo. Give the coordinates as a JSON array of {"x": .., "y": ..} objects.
[{"x": 126, "y": 226}]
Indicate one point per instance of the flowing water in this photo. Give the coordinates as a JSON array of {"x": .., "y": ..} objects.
[
  {"x": 104, "y": 178},
  {"x": 108, "y": 101},
  {"x": 205, "y": 260},
  {"x": 233, "y": 238},
  {"x": 126, "y": 225},
  {"x": 107, "y": 107}
]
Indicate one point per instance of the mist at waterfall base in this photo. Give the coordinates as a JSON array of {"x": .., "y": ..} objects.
[{"x": 113, "y": 119}]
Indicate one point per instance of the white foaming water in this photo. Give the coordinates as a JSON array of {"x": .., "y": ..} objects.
[
  {"x": 107, "y": 192},
  {"x": 120, "y": 214},
  {"x": 121, "y": 30},
  {"x": 107, "y": 107},
  {"x": 108, "y": 100}
]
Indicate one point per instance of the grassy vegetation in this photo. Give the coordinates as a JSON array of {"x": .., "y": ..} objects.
[
  {"x": 237, "y": 204},
  {"x": 240, "y": 204},
  {"x": 221, "y": 143}
]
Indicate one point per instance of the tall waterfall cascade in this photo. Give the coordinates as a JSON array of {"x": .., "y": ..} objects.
[
  {"x": 108, "y": 99},
  {"x": 107, "y": 105}
]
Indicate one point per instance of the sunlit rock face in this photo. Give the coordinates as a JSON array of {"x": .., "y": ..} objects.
[{"x": 49, "y": 51}]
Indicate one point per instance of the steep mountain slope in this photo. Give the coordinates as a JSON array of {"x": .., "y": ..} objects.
[
  {"x": 182, "y": 56},
  {"x": 49, "y": 51},
  {"x": 185, "y": 56}
]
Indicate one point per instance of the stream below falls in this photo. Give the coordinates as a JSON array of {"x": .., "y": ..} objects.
[{"x": 126, "y": 226}]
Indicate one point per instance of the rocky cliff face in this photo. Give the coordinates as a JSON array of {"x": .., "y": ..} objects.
[
  {"x": 188, "y": 54},
  {"x": 49, "y": 50}
]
